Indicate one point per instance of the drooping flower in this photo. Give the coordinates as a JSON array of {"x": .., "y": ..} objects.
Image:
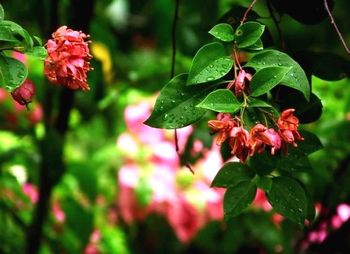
[
  {"x": 239, "y": 143},
  {"x": 262, "y": 136},
  {"x": 68, "y": 58},
  {"x": 24, "y": 93},
  {"x": 223, "y": 125},
  {"x": 240, "y": 83},
  {"x": 288, "y": 124}
]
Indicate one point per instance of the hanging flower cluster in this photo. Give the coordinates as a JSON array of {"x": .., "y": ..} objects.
[
  {"x": 245, "y": 143},
  {"x": 68, "y": 59}
]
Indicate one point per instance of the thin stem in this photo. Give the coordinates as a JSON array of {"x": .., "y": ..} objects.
[
  {"x": 247, "y": 11},
  {"x": 236, "y": 59},
  {"x": 173, "y": 56},
  {"x": 336, "y": 27},
  {"x": 276, "y": 22},
  {"x": 173, "y": 40}
]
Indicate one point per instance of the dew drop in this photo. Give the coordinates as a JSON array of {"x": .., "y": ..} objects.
[
  {"x": 161, "y": 108},
  {"x": 182, "y": 94},
  {"x": 165, "y": 117},
  {"x": 210, "y": 78},
  {"x": 280, "y": 64},
  {"x": 211, "y": 66},
  {"x": 173, "y": 101}
]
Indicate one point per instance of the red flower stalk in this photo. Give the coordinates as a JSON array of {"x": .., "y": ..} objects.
[
  {"x": 68, "y": 59},
  {"x": 223, "y": 125},
  {"x": 24, "y": 93},
  {"x": 288, "y": 124},
  {"x": 239, "y": 143}
]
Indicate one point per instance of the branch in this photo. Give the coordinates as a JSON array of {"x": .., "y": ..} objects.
[
  {"x": 247, "y": 11},
  {"x": 336, "y": 27},
  {"x": 173, "y": 57}
]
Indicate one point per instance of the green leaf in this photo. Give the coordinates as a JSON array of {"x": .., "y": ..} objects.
[
  {"x": 294, "y": 163},
  {"x": 38, "y": 51},
  {"x": 287, "y": 197},
  {"x": 266, "y": 79},
  {"x": 264, "y": 163},
  {"x": 311, "y": 211},
  {"x": 12, "y": 73},
  {"x": 210, "y": 63},
  {"x": 221, "y": 100},
  {"x": 14, "y": 33},
  {"x": 37, "y": 41},
  {"x": 295, "y": 78},
  {"x": 238, "y": 197},
  {"x": 256, "y": 103},
  {"x": 258, "y": 45},
  {"x": 2, "y": 12},
  {"x": 176, "y": 105},
  {"x": 231, "y": 174},
  {"x": 309, "y": 145},
  {"x": 248, "y": 34},
  {"x": 223, "y": 32},
  {"x": 264, "y": 183}
]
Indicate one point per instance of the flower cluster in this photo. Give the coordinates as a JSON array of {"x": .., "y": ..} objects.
[
  {"x": 245, "y": 143},
  {"x": 68, "y": 59}
]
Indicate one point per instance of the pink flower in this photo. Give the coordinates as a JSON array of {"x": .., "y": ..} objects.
[
  {"x": 288, "y": 124},
  {"x": 24, "y": 93},
  {"x": 261, "y": 136},
  {"x": 223, "y": 125},
  {"x": 260, "y": 201},
  {"x": 31, "y": 192},
  {"x": 240, "y": 83},
  {"x": 239, "y": 142},
  {"x": 58, "y": 213},
  {"x": 68, "y": 59},
  {"x": 185, "y": 219}
]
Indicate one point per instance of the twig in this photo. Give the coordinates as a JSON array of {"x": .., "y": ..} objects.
[
  {"x": 173, "y": 56},
  {"x": 173, "y": 39},
  {"x": 276, "y": 22},
  {"x": 247, "y": 11},
  {"x": 336, "y": 27}
]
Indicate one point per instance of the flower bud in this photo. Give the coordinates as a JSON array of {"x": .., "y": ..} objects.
[{"x": 24, "y": 93}]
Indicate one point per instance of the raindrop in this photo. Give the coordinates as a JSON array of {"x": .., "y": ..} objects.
[
  {"x": 173, "y": 101},
  {"x": 161, "y": 108},
  {"x": 210, "y": 78},
  {"x": 211, "y": 66},
  {"x": 263, "y": 63},
  {"x": 185, "y": 108},
  {"x": 274, "y": 76},
  {"x": 182, "y": 94},
  {"x": 300, "y": 210},
  {"x": 280, "y": 64},
  {"x": 165, "y": 117}
]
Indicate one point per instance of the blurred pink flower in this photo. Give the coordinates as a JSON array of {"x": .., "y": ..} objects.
[
  {"x": 260, "y": 201},
  {"x": 134, "y": 116},
  {"x": 185, "y": 219},
  {"x": 19, "y": 56},
  {"x": 58, "y": 213},
  {"x": 31, "y": 192},
  {"x": 68, "y": 58}
]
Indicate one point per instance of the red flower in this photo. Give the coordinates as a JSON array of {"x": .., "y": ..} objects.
[
  {"x": 288, "y": 124},
  {"x": 223, "y": 125},
  {"x": 24, "y": 93},
  {"x": 68, "y": 59},
  {"x": 261, "y": 136},
  {"x": 239, "y": 142}
]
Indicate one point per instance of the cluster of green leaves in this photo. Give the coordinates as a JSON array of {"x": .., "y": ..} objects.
[
  {"x": 187, "y": 97},
  {"x": 13, "y": 37}
]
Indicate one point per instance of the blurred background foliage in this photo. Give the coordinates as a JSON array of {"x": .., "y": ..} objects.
[{"x": 131, "y": 44}]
